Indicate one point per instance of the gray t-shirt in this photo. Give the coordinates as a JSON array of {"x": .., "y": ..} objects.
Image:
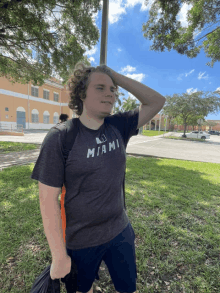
[{"x": 93, "y": 177}]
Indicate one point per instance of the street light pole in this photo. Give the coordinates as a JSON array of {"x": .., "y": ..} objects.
[
  {"x": 104, "y": 35},
  {"x": 159, "y": 122}
]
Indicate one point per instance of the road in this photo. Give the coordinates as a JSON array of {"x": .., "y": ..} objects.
[{"x": 176, "y": 149}]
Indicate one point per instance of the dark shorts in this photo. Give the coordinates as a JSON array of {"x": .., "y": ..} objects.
[{"x": 118, "y": 255}]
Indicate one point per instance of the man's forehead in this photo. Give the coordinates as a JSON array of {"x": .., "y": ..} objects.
[{"x": 100, "y": 78}]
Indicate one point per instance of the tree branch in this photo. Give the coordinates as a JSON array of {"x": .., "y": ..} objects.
[
  {"x": 31, "y": 40},
  {"x": 26, "y": 41},
  {"x": 10, "y": 59},
  {"x": 207, "y": 34}
]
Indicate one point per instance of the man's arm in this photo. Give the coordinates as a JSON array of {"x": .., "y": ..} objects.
[
  {"x": 51, "y": 216},
  {"x": 152, "y": 101}
]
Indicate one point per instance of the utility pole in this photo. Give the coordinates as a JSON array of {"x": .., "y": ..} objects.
[{"x": 104, "y": 35}]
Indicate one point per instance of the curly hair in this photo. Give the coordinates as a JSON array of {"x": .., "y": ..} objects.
[{"x": 78, "y": 84}]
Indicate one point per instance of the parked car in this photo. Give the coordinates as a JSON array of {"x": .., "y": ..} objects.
[
  {"x": 198, "y": 134},
  {"x": 214, "y": 132}
]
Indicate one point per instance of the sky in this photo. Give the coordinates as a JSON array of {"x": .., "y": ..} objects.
[{"x": 128, "y": 53}]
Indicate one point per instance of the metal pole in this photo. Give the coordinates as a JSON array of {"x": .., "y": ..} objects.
[
  {"x": 28, "y": 108},
  {"x": 159, "y": 122},
  {"x": 104, "y": 35}
]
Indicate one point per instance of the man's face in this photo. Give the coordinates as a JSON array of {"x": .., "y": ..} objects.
[{"x": 101, "y": 89}]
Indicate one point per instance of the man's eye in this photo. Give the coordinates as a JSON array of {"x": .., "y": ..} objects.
[{"x": 99, "y": 88}]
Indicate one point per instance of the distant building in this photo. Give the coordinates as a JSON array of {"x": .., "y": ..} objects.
[
  {"x": 157, "y": 120},
  {"x": 33, "y": 107}
]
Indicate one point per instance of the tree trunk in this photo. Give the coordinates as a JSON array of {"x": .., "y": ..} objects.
[{"x": 184, "y": 135}]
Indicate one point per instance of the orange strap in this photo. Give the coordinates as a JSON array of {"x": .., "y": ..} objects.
[{"x": 63, "y": 214}]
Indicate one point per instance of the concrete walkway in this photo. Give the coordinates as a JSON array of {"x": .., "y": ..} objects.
[
  {"x": 139, "y": 145},
  {"x": 19, "y": 158}
]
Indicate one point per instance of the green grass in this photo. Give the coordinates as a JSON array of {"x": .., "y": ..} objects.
[
  {"x": 7, "y": 147},
  {"x": 173, "y": 206},
  {"x": 157, "y": 132},
  {"x": 153, "y": 132},
  {"x": 185, "y": 138}
]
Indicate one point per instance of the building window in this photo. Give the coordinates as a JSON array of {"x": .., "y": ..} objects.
[
  {"x": 55, "y": 119},
  {"x": 6, "y": 116},
  {"x": 56, "y": 97},
  {"x": 35, "y": 118},
  {"x": 34, "y": 91},
  {"x": 46, "y": 119},
  {"x": 46, "y": 95},
  {"x": 6, "y": 109}
]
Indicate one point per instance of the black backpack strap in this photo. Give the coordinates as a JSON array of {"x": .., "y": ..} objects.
[
  {"x": 124, "y": 191},
  {"x": 68, "y": 135},
  {"x": 68, "y": 132}
]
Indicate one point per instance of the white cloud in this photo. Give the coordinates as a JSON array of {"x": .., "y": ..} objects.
[
  {"x": 218, "y": 90},
  {"x": 139, "y": 77},
  {"x": 191, "y": 91},
  {"x": 186, "y": 74},
  {"x": 200, "y": 76},
  {"x": 182, "y": 15},
  {"x": 180, "y": 76},
  {"x": 91, "y": 59},
  {"x": 129, "y": 69},
  {"x": 132, "y": 3},
  {"x": 115, "y": 11},
  {"x": 92, "y": 51},
  {"x": 136, "y": 76},
  {"x": 119, "y": 50},
  {"x": 118, "y": 8}
]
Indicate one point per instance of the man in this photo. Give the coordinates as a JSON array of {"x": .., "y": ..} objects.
[{"x": 97, "y": 226}]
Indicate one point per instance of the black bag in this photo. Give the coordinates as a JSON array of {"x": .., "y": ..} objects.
[{"x": 44, "y": 283}]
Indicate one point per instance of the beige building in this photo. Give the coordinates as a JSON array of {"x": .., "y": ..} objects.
[{"x": 32, "y": 107}]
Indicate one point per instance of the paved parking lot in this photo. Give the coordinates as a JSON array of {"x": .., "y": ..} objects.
[{"x": 176, "y": 149}]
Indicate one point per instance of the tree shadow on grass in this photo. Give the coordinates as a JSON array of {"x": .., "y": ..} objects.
[{"x": 174, "y": 209}]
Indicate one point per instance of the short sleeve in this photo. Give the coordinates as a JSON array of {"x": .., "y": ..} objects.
[
  {"x": 126, "y": 123},
  {"x": 50, "y": 165}
]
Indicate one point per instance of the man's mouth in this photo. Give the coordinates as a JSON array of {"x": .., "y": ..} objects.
[{"x": 107, "y": 103}]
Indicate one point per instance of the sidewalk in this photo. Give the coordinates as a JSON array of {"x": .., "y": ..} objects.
[{"x": 19, "y": 158}]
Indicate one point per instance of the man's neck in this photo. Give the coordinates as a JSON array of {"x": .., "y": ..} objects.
[{"x": 91, "y": 123}]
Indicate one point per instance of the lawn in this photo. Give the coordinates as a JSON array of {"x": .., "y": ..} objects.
[
  {"x": 173, "y": 206},
  {"x": 7, "y": 147},
  {"x": 157, "y": 132},
  {"x": 153, "y": 132},
  {"x": 185, "y": 138}
]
